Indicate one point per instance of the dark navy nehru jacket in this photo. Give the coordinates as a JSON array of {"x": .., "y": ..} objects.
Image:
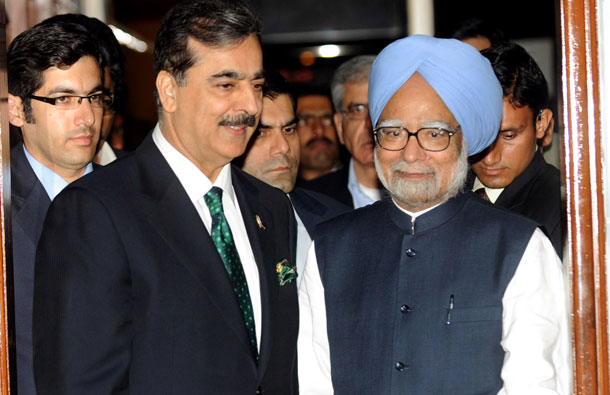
[{"x": 389, "y": 282}]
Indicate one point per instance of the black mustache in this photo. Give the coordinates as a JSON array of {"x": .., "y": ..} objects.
[
  {"x": 248, "y": 120},
  {"x": 312, "y": 141}
]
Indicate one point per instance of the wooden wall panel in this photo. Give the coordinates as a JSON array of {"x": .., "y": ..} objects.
[
  {"x": 5, "y": 201},
  {"x": 584, "y": 194}
]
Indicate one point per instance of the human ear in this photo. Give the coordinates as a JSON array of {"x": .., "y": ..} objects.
[
  {"x": 166, "y": 88},
  {"x": 16, "y": 115},
  {"x": 545, "y": 124}
]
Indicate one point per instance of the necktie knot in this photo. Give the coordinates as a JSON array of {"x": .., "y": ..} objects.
[
  {"x": 213, "y": 199},
  {"x": 482, "y": 193}
]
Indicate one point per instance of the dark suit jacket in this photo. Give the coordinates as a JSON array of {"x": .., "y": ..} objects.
[
  {"x": 332, "y": 184},
  {"x": 313, "y": 207},
  {"x": 536, "y": 194},
  {"x": 29, "y": 204},
  {"x": 132, "y": 297}
]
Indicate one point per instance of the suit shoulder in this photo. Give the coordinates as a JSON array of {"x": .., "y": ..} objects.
[
  {"x": 487, "y": 212},
  {"x": 332, "y": 204},
  {"x": 112, "y": 180},
  {"x": 254, "y": 184}
]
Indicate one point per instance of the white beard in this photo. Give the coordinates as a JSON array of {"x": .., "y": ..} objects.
[{"x": 417, "y": 194}]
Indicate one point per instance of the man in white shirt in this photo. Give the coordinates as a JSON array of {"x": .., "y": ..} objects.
[
  {"x": 56, "y": 100},
  {"x": 399, "y": 296},
  {"x": 173, "y": 271}
]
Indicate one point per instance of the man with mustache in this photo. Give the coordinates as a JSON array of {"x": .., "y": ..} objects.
[
  {"x": 56, "y": 101},
  {"x": 512, "y": 172},
  {"x": 400, "y": 296},
  {"x": 357, "y": 184},
  {"x": 273, "y": 156},
  {"x": 172, "y": 271},
  {"x": 317, "y": 134}
]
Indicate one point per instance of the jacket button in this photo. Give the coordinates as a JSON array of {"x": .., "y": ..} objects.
[
  {"x": 259, "y": 391},
  {"x": 411, "y": 253},
  {"x": 400, "y": 366},
  {"x": 405, "y": 309}
]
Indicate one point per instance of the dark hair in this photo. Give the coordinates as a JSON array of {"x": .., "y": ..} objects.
[
  {"x": 523, "y": 83},
  {"x": 311, "y": 89},
  {"x": 55, "y": 44},
  {"x": 112, "y": 54},
  {"x": 476, "y": 27},
  {"x": 275, "y": 85},
  {"x": 215, "y": 23}
]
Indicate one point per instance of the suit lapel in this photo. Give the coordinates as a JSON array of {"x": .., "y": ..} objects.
[
  {"x": 309, "y": 210},
  {"x": 514, "y": 195},
  {"x": 259, "y": 225},
  {"x": 30, "y": 200},
  {"x": 178, "y": 223}
]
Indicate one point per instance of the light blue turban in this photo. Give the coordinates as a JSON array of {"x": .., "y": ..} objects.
[{"x": 460, "y": 75}]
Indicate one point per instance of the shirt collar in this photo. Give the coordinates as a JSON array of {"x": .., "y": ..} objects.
[
  {"x": 415, "y": 214},
  {"x": 195, "y": 183},
  {"x": 361, "y": 195},
  {"x": 492, "y": 193},
  {"x": 52, "y": 182}
]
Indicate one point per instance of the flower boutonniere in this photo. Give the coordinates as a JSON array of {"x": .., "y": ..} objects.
[{"x": 286, "y": 272}]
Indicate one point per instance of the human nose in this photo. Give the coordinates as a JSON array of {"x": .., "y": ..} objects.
[
  {"x": 413, "y": 152},
  {"x": 85, "y": 114},
  {"x": 317, "y": 126},
  {"x": 251, "y": 100},
  {"x": 492, "y": 155},
  {"x": 279, "y": 144}
]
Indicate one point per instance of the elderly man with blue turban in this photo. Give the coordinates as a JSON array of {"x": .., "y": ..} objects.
[{"x": 434, "y": 291}]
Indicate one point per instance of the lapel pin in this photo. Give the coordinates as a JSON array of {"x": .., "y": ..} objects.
[{"x": 260, "y": 223}]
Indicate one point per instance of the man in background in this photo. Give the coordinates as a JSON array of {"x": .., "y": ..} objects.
[
  {"x": 479, "y": 33},
  {"x": 512, "y": 172},
  {"x": 355, "y": 185},
  {"x": 273, "y": 157},
  {"x": 56, "y": 99},
  {"x": 317, "y": 135}
]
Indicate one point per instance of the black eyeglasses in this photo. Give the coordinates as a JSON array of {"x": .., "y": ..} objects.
[
  {"x": 70, "y": 102},
  {"x": 396, "y": 138}
]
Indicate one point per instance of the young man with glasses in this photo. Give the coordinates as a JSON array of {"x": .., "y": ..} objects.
[
  {"x": 357, "y": 184},
  {"x": 56, "y": 98},
  {"x": 400, "y": 296}
]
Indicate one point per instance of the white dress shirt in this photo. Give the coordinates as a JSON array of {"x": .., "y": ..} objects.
[
  {"x": 196, "y": 185},
  {"x": 106, "y": 155},
  {"x": 535, "y": 326},
  {"x": 492, "y": 193},
  {"x": 303, "y": 243}
]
